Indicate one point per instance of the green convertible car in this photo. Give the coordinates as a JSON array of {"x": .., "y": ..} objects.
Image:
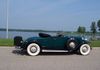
[{"x": 35, "y": 45}]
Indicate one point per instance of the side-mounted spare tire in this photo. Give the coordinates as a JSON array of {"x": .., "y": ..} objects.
[
  {"x": 71, "y": 45},
  {"x": 18, "y": 40}
]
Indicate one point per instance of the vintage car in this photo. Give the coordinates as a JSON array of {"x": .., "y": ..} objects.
[{"x": 35, "y": 45}]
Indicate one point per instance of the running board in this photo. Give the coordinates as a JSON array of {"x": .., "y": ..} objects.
[{"x": 54, "y": 51}]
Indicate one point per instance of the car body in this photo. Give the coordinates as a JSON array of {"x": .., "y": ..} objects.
[{"x": 34, "y": 45}]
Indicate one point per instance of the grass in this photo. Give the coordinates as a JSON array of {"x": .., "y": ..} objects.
[
  {"x": 95, "y": 43},
  {"x": 9, "y": 42},
  {"x": 6, "y": 42}
]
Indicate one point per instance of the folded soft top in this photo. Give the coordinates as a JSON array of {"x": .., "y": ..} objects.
[{"x": 44, "y": 35}]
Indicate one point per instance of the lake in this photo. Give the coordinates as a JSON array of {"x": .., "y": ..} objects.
[{"x": 25, "y": 35}]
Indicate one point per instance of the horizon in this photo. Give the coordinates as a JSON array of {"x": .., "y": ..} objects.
[{"x": 57, "y": 15}]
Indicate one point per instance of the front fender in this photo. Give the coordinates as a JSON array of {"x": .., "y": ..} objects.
[{"x": 83, "y": 42}]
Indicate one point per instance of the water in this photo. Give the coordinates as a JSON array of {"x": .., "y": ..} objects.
[{"x": 25, "y": 35}]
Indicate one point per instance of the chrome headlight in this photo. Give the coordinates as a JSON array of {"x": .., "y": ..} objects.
[
  {"x": 84, "y": 38},
  {"x": 26, "y": 41}
]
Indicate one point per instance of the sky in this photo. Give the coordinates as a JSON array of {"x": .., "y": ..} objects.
[{"x": 64, "y": 15}]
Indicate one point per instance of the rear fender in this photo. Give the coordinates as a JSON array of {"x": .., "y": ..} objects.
[{"x": 25, "y": 45}]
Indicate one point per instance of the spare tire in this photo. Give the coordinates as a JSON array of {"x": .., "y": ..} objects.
[
  {"x": 18, "y": 40},
  {"x": 71, "y": 45}
]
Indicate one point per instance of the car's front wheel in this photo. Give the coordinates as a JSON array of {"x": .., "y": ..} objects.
[
  {"x": 85, "y": 49},
  {"x": 33, "y": 49}
]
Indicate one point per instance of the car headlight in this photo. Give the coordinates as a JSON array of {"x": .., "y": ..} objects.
[{"x": 84, "y": 38}]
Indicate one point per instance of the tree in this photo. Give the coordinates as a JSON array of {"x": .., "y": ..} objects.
[
  {"x": 93, "y": 29},
  {"x": 81, "y": 30},
  {"x": 98, "y": 24}
]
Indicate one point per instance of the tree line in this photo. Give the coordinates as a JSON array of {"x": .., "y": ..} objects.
[{"x": 93, "y": 28}]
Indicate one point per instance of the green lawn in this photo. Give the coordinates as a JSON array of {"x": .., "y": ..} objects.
[
  {"x": 9, "y": 42},
  {"x": 6, "y": 42},
  {"x": 95, "y": 43}
]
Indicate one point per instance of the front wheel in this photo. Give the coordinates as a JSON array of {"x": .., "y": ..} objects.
[
  {"x": 85, "y": 49},
  {"x": 33, "y": 49}
]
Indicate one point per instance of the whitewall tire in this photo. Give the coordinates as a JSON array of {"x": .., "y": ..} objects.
[
  {"x": 85, "y": 49},
  {"x": 33, "y": 49}
]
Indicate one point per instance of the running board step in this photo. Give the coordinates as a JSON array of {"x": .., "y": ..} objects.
[{"x": 54, "y": 51}]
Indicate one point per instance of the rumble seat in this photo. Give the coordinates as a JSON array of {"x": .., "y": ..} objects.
[{"x": 44, "y": 35}]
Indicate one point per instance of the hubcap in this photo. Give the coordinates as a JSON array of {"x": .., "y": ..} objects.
[
  {"x": 72, "y": 44},
  {"x": 33, "y": 49},
  {"x": 85, "y": 49}
]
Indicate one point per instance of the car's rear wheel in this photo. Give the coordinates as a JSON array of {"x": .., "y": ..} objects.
[
  {"x": 85, "y": 49},
  {"x": 33, "y": 49}
]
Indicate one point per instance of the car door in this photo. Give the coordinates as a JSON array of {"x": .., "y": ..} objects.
[
  {"x": 47, "y": 43},
  {"x": 59, "y": 43}
]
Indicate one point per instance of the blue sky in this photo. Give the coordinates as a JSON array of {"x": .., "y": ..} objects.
[{"x": 64, "y": 15}]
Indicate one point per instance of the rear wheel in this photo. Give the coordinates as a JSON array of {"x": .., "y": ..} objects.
[
  {"x": 85, "y": 49},
  {"x": 33, "y": 49}
]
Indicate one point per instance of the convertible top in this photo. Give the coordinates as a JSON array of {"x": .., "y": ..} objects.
[{"x": 44, "y": 35}]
